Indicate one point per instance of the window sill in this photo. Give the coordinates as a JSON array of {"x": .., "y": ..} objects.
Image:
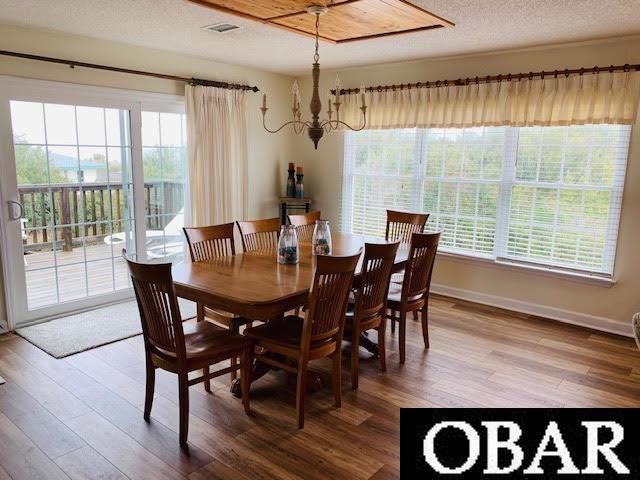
[{"x": 537, "y": 270}]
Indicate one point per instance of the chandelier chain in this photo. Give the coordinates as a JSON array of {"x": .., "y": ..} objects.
[{"x": 316, "y": 57}]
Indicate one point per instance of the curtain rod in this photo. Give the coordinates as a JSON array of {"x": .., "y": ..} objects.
[
  {"x": 493, "y": 78},
  {"x": 73, "y": 64}
]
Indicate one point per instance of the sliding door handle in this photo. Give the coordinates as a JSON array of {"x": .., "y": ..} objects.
[{"x": 12, "y": 216}]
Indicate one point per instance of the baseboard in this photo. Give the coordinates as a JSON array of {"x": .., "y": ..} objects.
[{"x": 575, "y": 318}]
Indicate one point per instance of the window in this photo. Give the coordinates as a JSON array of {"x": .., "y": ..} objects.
[
  {"x": 164, "y": 139},
  {"x": 542, "y": 195}
]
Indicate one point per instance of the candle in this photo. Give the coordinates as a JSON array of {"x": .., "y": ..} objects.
[
  {"x": 300, "y": 170},
  {"x": 264, "y": 100},
  {"x": 337, "y": 88},
  {"x": 362, "y": 90},
  {"x": 291, "y": 165},
  {"x": 296, "y": 95}
]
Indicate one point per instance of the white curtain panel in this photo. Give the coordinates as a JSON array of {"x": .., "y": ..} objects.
[
  {"x": 605, "y": 97},
  {"x": 217, "y": 155}
]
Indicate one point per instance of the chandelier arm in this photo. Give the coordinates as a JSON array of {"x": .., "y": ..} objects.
[
  {"x": 299, "y": 129},
  {"x": 292, "y": 122},
  {"x": 340, "y": 122}
]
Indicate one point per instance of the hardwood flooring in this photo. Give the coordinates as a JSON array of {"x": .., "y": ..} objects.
[{"x": 81, "y": 417}]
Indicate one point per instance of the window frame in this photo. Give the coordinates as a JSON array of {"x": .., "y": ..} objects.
[{"x": 507, "y": 181}]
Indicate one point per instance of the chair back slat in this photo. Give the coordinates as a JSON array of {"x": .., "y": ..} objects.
[
  {"x": 210, "y": 242},
  {"x": 158, "y": 306},
  {"x": 419, "y": 267},
  {"x": 401, "y": 225},
  {"x": 374, "y": 278},
  {"x": 259, "y": 235},
  {"x": 304, "y": 225},
  {"x": 329, "y": 295}
]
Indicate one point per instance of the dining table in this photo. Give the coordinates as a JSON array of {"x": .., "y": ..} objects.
[{"x": 255, "y": 286}]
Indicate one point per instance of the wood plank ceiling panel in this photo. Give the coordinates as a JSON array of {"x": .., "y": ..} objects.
[
  {"x": 265, "y": 9},
  {"x": 346, "y": 20}
]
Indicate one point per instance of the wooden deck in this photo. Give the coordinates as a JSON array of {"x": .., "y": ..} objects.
[
  {"x": 81, "y": 417},
  {"x": 72, "y": 278}
]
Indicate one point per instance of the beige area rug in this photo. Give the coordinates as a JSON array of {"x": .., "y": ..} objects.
[{"x": 83, "y": 331}]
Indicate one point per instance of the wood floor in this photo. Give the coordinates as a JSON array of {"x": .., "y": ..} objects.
[{"x": 81, "y": 417}]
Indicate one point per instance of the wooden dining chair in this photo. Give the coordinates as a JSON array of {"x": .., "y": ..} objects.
[
  {"x": 259, "y": 235},
  {"x": 304, "y": 224},
  {"x": 413, "y": 294},
  {"x": 206, "y": 243},
  {"x": 179, "y": 348},
  {"x": 317, "y": 335},
  {"x": 369, "y": 310},
  {"x": 400, "y": 225}
]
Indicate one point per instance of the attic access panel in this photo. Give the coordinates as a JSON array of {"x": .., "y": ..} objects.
[{"x": 345, "y": 21}]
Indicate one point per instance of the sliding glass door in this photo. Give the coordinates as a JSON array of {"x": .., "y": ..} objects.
[{"x": 87, "y": 173}]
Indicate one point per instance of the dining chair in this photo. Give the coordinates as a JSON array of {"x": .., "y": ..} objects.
[
  {"x": 206, "y": 243},
  {"x": 259, "y": 235},
  {"x": 317, "y": 335},
  {"x": 413, "y": 294},
  {"x": 400, "y": 225},
  {"x": 181, "y": 348},
  {"x": 369, "y": 310},
  {"x": 304, "y": 224}
]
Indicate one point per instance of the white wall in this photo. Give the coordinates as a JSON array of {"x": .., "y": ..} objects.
[
  {"x": 268, "y": 154},
  {"x": 568, "y": 299}
]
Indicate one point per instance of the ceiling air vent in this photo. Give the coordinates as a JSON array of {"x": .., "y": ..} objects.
[{"x": 221, "y": 27}]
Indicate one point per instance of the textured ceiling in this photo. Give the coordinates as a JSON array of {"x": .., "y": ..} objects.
[{"x": 481, "y": 25}]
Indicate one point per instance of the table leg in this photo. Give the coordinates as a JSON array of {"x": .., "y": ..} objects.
[
  {"x": 258, "y": 370},
  {"x": 367, "y": 344}
]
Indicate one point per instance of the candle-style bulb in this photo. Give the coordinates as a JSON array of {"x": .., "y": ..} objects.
[
  {"x": 362, "y": 90},
  {"x": 264, "y": 101}
]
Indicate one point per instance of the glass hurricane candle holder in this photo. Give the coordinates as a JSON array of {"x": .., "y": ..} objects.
[
  {"x": 321, "y": 241},
  {"x": 288, "y": 245}
]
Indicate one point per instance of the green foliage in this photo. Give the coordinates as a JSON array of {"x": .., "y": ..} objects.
[{"x": 31, "y": 166}]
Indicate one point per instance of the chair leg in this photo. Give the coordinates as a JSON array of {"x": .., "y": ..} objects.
[
  {"x": 402, "y": 320},
  {"x": 337, "y": 377},
  {"x": 246, "y": 360},
  {"x": 199, "y": 312},
  {"x": 183, "y": 396},
  {"x": 415, "y": 315},
  {"x": 425, "y": 326},
  {"x": 234, "y": 328},
  {"x": 207, "y": 382},
  {"x": 393, "y": 321},
  {"x": 301, "y": 388},
  {"x": 151, "y": 383},
  {"x": 355, "y": 359},
  {"x": 382, "y": 350}
]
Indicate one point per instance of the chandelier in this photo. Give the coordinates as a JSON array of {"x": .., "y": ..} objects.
[{"x": 316, "y": 127}]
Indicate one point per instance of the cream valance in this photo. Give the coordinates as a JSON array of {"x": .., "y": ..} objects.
[{"x": 606, "y": 97}]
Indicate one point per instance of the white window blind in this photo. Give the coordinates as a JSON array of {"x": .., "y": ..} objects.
[{"x": 544, "y": 195}]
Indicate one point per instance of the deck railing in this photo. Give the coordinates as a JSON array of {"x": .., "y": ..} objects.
[{"x": 55, "y": 213}]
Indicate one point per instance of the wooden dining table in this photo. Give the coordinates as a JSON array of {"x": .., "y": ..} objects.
[{"x": 255, "y": 286}]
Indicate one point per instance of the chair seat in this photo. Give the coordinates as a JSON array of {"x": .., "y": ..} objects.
[
  {"x": 286, "y": 331},
  {"x": 395, "y": 295},
  {"x": 204, "y": 340}
]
